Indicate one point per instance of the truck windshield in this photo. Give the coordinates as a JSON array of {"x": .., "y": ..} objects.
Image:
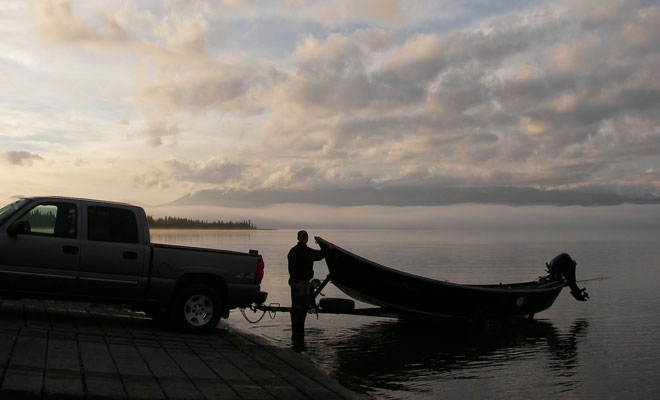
[{"x": 9, "y": 210}]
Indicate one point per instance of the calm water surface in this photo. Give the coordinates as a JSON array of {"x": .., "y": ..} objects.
[{"x": 608, "y": 347}]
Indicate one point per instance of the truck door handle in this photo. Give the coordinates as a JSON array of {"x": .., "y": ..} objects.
[
  {"x": 70, "y": 249},
  {"x": 130, "y": 255}
]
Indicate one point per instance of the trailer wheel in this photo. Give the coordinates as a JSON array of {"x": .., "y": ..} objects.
[
  {"x": 339, "y": 306},
  {"x": 196, "y": 308},
  {"x": 491, "y": 322}
]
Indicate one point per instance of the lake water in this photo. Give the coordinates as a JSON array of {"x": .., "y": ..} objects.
[{"x": 608, "y": 347}]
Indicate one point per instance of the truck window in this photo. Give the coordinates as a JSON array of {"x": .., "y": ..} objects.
[
  {"x": 52, "y": 219},
  {"x": 9, "y": 210},
  {"x": 110, "y": 224}
]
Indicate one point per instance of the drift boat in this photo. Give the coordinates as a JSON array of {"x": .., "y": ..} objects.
[{"x": 416, "y": 296}]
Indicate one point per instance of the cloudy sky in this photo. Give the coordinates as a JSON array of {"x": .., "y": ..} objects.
[{"x": 146, "y": 101}]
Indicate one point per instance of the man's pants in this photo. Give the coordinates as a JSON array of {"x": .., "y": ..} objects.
[{"x": 301, "y": 300}]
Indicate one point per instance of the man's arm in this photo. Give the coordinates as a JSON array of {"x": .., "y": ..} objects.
[
  {"x": 293, "y": 263},
  {"x": 318, "y": 255}
]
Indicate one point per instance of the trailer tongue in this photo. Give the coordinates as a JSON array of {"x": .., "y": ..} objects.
[{"x": 328, "y": 305}]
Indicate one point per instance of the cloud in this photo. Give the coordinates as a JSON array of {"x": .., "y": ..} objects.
[
  {"x": 57, "y": 21},
  {"x": 374, "y": 39},
  {"x": 336, "y": 54},
  {"x": 213, "y": 171},
  {"x": 642, "y": 32},
  {"x": 341, "y": 13},
  {"x": 207, "y": 88},
  {"x": 152, "y": 178},
  {"x": 492, "y": 84},
  {"x": 20, "y": 158},
  {"x": 157, "y": 131},
  {"x": 385, "y": 11},
  {"x": 183, "y": 34},
  {"x": 595, "y": 11},
  {"x": 291, "y": 176},
  {"x": 525, "y": 83},
  {"x": 345, "y": 94}
]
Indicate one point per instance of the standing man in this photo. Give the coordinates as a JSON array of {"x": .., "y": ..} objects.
[{"x": 301, "y": 261}]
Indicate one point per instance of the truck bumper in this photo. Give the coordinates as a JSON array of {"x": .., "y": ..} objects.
[
  {"x": 243, "y": 295},
  {"x": 262, "y": 298}
]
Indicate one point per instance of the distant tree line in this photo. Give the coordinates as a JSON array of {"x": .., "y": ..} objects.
[
  {"x": 186, "y": 223},
  {"x": 38, "y": 219}
]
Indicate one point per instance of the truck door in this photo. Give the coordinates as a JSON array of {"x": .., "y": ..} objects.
[
  {"x": 44, "y": 255},
  {"x": 113, "y": 255}
]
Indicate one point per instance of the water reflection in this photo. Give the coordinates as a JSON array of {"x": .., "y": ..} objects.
[
  {"x": 401, "y": 359},
  {"x": 564, "y": 360}
]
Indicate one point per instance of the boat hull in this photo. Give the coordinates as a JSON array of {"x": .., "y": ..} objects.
[{"x": 406, "y": 293}]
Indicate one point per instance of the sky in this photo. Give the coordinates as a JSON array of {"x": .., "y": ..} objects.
[{"x": 147, "y": 101}]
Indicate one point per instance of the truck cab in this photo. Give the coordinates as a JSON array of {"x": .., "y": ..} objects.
[{"x": 48, "y": 250}]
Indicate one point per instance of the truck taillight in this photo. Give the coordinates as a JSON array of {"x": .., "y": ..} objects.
[{"x": 260, "y": 271}]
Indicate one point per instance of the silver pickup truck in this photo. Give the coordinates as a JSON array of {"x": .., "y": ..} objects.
[{"x": 98, "y": 251}]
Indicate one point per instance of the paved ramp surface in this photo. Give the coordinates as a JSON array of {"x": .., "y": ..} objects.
[{"x": 63, "y": 350}]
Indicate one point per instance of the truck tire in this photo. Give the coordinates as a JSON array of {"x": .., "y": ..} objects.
[{"x": 196, "y": 308}]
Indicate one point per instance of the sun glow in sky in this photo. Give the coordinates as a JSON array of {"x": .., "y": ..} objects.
[{"x": 147, "y": 101}]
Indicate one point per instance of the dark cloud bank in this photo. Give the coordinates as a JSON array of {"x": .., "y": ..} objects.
[{"x": 414, "y": 196}]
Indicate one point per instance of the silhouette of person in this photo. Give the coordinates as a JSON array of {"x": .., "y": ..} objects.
[{"x": 301, "y": 271}]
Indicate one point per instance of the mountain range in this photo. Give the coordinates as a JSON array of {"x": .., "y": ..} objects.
[{"x": 415, "y": 196}]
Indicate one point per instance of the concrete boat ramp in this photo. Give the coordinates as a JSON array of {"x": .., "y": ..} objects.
[{"x": 63, "y": 350}]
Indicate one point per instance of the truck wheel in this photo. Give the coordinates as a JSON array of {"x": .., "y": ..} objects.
[{"x": 196, "y": 308}]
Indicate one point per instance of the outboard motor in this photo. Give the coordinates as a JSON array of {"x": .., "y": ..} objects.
[{"x": 563, "y": 267}]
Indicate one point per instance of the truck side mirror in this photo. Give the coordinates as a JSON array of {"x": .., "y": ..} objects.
[{"x": 17, "y": 227}]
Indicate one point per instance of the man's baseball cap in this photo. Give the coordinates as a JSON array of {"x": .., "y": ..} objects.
[{"x": 302, "y": 234}]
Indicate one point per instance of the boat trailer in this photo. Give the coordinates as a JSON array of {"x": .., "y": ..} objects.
[
  {"x": 324, "y": 306},
  {"x": 347, "y": 307}
]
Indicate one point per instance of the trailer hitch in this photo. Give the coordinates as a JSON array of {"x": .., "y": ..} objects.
[{"x": 273, "y": 308}]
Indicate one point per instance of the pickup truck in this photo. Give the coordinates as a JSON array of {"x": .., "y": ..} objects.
[{"x": 98, "y": 251}]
